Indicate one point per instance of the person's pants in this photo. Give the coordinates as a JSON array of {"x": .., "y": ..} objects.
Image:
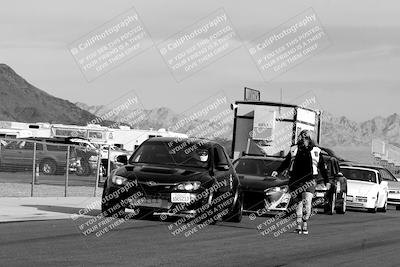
[{"x": 304, "y": 204}]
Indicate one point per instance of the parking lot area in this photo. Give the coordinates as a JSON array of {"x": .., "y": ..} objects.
[
  {"x": 47, "y": 167},
  {"x": 19, "y": 184}
]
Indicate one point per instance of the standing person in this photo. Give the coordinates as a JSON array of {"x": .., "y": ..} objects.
[{"x": 303, "y": 161}]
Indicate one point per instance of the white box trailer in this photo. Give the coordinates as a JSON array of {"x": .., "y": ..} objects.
[
  {"x": 24, "y": 130},
  {"x": 123, "y": 137},
  {"x": 95, "y": 133},
  {"x": 13, "y": 133},
  {"x": 270, "y": 128}
]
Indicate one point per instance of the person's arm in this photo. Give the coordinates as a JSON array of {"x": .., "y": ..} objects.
[
  {"x": 285, "y": 164},
  {"x": 322, "y": 169}
]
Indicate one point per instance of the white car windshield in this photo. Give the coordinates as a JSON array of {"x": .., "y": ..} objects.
[{"x": 359, "y": 175}]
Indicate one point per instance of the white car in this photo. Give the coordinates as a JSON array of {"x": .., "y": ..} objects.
[
  {"x": 394, "y": 194},
  {"x": 393, "y": 183},
  {"x": 365, "y": 189}
]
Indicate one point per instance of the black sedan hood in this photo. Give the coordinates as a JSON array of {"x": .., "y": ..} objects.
[
  {"x": 260, "y": 183},
  {"x": 163, "y": 174}
]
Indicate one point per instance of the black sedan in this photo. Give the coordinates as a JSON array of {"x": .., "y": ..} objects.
[
  {"x": 334, "y": 198},
  {"x": 170, "y": 177},
  {"x": 262, "y": 193}
]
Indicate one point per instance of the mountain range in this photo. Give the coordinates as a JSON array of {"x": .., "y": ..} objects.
[
  {"x": 340, "y": 131},
  {"x": 21, "y": 101}
]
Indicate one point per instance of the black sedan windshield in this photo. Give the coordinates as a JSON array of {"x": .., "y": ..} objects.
[
  {"x": 188, "y": 154},
  {"x": 256, "y": 167}
]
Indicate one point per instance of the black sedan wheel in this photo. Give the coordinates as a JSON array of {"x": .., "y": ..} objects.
[
  {"x": 342, "y": 208},
  {"x": 237, "y": 212},
  {"x": 330, "y": 206},
  {"x": 110, "y": 209}
]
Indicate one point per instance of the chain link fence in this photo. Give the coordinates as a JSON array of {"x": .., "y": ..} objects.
[{"x": 39, "y": 168}]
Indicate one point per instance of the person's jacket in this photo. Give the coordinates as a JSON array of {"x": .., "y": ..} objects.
[{"x": 303, "y": 164}]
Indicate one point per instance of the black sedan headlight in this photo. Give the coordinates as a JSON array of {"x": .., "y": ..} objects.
[
  {"x": 118, "y": 180},
  {"x": 277, "y": 189},
  {"x": 188, "y": 186}
]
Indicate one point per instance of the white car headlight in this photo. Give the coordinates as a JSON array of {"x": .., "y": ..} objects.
[
  {"x": 118, "y": 180},
  {"x": 272, "y": 190}
]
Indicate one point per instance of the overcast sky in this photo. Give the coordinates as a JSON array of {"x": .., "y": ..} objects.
[{"x": 357, "y": 76}]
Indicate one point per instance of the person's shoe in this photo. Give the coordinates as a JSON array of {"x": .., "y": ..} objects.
[
  {"x": 298, "y": 229},
  {"x": 305, "y": 228}
]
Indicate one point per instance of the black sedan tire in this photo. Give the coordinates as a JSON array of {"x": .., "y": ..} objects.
[
  {"x": 342, "y": 208},
  {"x": 237, "y": 212},
  {"x": 117, "y": 210},
  {"x": 330, "y": 206},
  {"x": 106, "y": 206}
]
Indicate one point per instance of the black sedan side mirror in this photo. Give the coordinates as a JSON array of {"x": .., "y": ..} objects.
[
  {"x": 123, "y": 159},
  {"x": 222, "y": 167}
]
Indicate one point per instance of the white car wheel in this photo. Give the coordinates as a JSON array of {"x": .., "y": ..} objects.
[
  {"x": 373, "y": 210},
  {"x": 384, "y": 208}
]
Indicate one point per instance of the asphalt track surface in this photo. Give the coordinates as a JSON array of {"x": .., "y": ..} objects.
[{"x": 353, "y": 239}]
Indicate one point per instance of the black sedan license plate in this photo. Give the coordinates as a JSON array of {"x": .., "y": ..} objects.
[{"x": 156, "y": 203}]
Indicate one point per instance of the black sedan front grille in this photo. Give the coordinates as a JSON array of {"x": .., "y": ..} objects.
[
  {"x": 253, "y": 200},
  {"x": 153, "y": 195},
  {"x": 156, "y": 187}
]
